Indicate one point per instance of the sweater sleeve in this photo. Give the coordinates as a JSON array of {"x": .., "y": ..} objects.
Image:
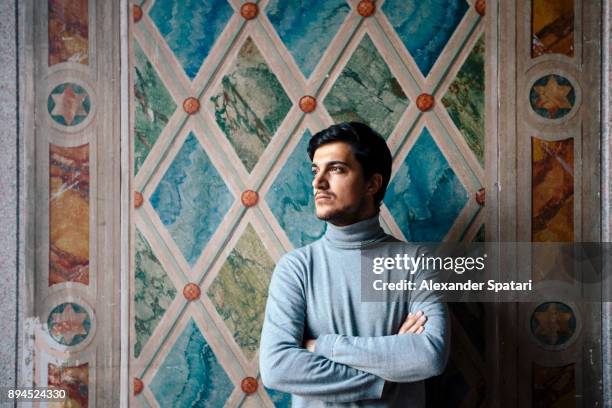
[
  {"x": 402, "y": 357},
  {"x": 286, "y": 366}
]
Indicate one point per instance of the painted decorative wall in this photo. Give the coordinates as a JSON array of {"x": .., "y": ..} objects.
[{"x": 225, "y": 96}]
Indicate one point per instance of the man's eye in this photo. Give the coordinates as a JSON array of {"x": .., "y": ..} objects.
[
  {"x": 314, "y": 171},
  {"x": 336, "y": 169}
]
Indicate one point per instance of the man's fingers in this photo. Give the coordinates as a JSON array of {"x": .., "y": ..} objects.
[
  {"x": 420, "y": 330},
  {"x": 413, "y": 323}
]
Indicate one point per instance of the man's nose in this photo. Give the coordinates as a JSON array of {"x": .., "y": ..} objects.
[{"x": 320, "y": 181}]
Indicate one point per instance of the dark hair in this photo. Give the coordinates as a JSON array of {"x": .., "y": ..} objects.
[{"x": 369, "y": 148}]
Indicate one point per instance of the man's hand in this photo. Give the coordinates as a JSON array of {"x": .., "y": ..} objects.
[
  {"x": 414, "y": 323},
  {"x": 310, "y": 345}
]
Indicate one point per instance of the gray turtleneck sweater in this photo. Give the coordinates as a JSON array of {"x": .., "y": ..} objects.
[{"x": 359, "y": 359}]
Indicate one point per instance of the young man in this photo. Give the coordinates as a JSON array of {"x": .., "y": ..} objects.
[{"x": 319, "y": 341}]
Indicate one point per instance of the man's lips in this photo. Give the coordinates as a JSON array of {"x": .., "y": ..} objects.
[{"x": 322, "y": 196}]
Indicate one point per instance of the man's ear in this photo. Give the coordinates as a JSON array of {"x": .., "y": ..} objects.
[{"x": 374, "y": 183}]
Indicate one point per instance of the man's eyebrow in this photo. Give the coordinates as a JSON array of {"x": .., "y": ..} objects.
[{"x": 333, "y": 162}]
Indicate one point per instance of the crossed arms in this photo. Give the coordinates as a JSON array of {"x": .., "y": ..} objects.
[{"x": 344, "y": 368}]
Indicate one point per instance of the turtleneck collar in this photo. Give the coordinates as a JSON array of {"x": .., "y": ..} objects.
[{"x": 357, "y": 235}]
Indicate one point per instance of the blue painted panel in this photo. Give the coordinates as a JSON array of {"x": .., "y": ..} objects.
[
  {"x": 425, "y": 26},
  {"x": 307, "y": 29},
  {"x": 279, "y": 399},
  {"x": 191, "y": 199},
  {"x": 191, "y": 376},
  {"x": 190, "y": 27},
  {"x": 425, "y": 196},
  {"x": 291, "y": 200}
]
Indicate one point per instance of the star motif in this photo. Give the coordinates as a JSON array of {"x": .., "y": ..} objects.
[
  {"x": 68, "y": 324},
  {"x": 553, "y": 96},
  {"x": 553, "y": 323},
  {"x": 69, "y": 104}
]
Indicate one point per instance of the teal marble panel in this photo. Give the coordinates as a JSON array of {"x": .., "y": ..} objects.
[
  {"x": 425, "y": 196},
  {"x": 291, "y": 200},
  {"x": 191, "y": 199},
  {"x": 367, "y": 91},
  {"x": 307, "y": 29},
  {"x": 190, "y": 28},
  {"x": 154, "y": 292},
  {"x": 465, "y": 100},
  {"x": 425, "y": 26},
  {"x": 279, "y": 399},
  {"x": 153, "y": 106},
  {"x": 250, "y": 104},
  {"x": 240, "y": 290},
  {"x": 191, "y": 375}
]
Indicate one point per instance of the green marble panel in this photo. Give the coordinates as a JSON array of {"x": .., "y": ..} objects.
[
  {"x": 153, "y": 295},
  {"x": 250, "y": 104},
  {"x": 240, "y": 290},
  {"x": 366, "y": 91},
  {"x": 464, "y": 100},
  {"x": 153, "y": 106}
]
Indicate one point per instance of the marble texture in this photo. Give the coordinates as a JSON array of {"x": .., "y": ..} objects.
[
  {"x": 552, "y": 27},
  {"x": 307, "y": 30},
  {"x": 74, "y": 379},
  {"x": 291, "y": 200},
  {"x": 68, "y": 30},
  {"x": 68, "y": 214},
  {"x": 425, "y": 26},
  {"x": 190, "y": 375},
  {"x": 552, "y": 194},
  {"x": 154, "y": 292},
  {"x": 190, "y": 28},
  {"x": 465, "y": 100},
  {"x": 240, "y": 290},
  {"x": 554, "y": 386},
  {"x": 191, "y": 199},
  {"x": 279, "y": 399},
  {"x": 250, "y": 104},
  {"x": 366, "y": 91},
  {"x": 425, "y": 196},
  {"x": 153, "y": 106}
]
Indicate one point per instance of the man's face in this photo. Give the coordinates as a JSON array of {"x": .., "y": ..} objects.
[{"x": 342, "y": 196}]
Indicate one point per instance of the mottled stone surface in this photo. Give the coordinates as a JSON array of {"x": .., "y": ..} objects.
[
  {"x": 425, "y": 196},
  {"x": 552, "y": 27},
  {"x": 552, "y": 196},
  {"x": 68, "y": 30},
  {"x": 465, "y": 100},
  {"x": 74, "y": 379},
  {"x": 306, "y": 29},
  {"x": 425, "y": 26},
  {"x": 68, "y": 214},
  {"x": 154, "y": 292},
  {"x": 367, "y": 91},
  {"x": 250, "y": 104},
  {"x": 554, "y": 386},
  {"x": 190, "y": 375},
  {"x": 240, "y": 290},
  {"x": 153, "y": 106},
  {"x": 280, "y": 399},
  {"x": 190, "y": 28},
  {"x": 291, "y": 199},
  {"x": 11, "y": 185},
  {"x": 191, "y": 199}
]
